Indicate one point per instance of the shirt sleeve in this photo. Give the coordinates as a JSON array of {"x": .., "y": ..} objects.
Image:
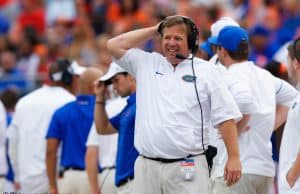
[
  {"x": 2, "y": 125},
  {"x": 13, "y": 137},
  {"x": 115, "y": 121},
  {"x": 285, "y": 92},
  {"x": 93, "y": 138},
  {"x": 241, "y": 92},
  {"x": 223, "y": 106},
  {"x": 133, "y": 59},
  {"x": 55, "y": 129}
]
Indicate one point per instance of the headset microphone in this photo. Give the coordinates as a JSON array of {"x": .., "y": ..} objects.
[{"x": 180, "y": 56}]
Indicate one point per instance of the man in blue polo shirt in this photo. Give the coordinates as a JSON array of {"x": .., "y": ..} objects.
[
  {"x": 70, "y": 125},
  {"x": 123, "y": 123}
]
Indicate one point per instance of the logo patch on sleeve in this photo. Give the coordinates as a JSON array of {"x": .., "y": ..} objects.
[{"x": 294, "y": 105}]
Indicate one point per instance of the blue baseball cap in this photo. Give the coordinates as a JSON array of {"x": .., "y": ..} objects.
[
  {"x": 230, "y": 37},
  {"x": 213, "y": 40},
  {"x": 206, "y": 47},
  {"x": 259, "y": 30}
]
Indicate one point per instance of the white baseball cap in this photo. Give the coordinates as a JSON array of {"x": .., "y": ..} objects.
[
  {"x": 113, "y": 70},
  {"x": 220, "y": 24},
  {"x": 76, "y": 69}
]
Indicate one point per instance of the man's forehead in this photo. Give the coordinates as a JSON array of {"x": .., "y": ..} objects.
[{"x": 178, "y": 29}]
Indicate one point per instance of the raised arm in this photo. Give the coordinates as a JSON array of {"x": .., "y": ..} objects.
[
  {"x": 118, "y": 45},
  {"x": 102, "y": 123}
]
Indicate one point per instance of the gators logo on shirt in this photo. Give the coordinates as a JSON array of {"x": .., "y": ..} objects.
[{"x": 189, "y": 78}]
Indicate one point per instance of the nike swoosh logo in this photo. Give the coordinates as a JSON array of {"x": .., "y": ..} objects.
[{"x": 159, "y": 73}]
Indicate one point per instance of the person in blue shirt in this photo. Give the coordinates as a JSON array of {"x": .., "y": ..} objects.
[
  {"x": 123, "y": 123},
  {"x": 70, "y": 125}
]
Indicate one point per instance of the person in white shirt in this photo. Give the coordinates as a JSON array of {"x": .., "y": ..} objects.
[
  {"x": 3, "y": 163},
  {"x": 172, "y": 119},
  {"x": 289, "y": 155},
  {"x": 27, "y": 144},
  {"x": 101, "y": 151},
  {"x": 257, "y": 93},
  {"x": 215, "y": 30}
]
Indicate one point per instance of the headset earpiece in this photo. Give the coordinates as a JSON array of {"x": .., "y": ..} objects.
[
  {"x": 193, "y": 36},
  {"x": 64, "y": 67}
]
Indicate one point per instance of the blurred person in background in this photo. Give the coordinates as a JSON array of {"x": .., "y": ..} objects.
[
  {"x": 9, "y": 74},
  {"x": 289, "y": 157},
  {"x": 123, "y": 123},
  {"x": 3, "y": 164},
  {"x": 263, "y": 100},
  {"x": 101, "y": 152},
  {"x": 103, "y": 55},
  {"x": 27, "y": 60},
  {"x": 27, "y": 144},
  {"x": 30, "y": 15},
  {"x": 205, "y": 51},
  {"x": 126, "y": 15},
  {"x": 261, "y": 48},
  {"x": 9, "y": 97},
  {"x": 100, "y": 159},
  {"x": 69, "y": 127}
]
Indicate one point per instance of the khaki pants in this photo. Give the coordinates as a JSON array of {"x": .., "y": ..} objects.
[
  {"x": 36, "y": 184},
  {"x": 153, "y": 177},
  {"x": 2, "y": 181},
  {"x": 107, "y": 181},
  {"x": 126, "y": 188},
  {"x": 248, "y": 184},
  {"x": 74, "y": 181}
]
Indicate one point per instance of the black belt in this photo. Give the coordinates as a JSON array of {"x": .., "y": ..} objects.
[
  {"x": 124, "y": 181},
  {"x": 2, "y": 175},
  {"x": 108, "y": 168},
  {"x": 164, "y": 160},
  {"x": 73, "y": 168}
]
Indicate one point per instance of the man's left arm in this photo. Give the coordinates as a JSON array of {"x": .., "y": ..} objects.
[
  {"x": 294, "y": 172},
  {"x": 285, "y": 93},
  {"x": 233, "y": 168}
]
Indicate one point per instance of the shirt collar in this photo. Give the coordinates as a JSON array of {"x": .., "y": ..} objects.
[
  {"x": 131, "y": 99},
  {"x": 240, "y": 64}
]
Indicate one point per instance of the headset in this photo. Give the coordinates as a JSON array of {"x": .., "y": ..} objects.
[
  {"x": 65, "y": 71},
  {"x": 296, "y": 47},
  {"x": 192, "y": 30}
]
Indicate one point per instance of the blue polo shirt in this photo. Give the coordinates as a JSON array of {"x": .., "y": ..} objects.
[
  {"x": 71, "y": 125},
  {"x": 126, "y": 154}
]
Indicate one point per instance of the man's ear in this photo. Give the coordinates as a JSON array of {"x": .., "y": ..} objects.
[{"x": 296, "y": 64}]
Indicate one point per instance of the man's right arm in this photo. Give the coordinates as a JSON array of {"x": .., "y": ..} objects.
[
  {"x": 51, "y": 162},
  {"x": 118, "y": 45},
  {"x": 91, "y": 161},
  {"x": 233, "y": 168},
  {"x": 102, "y": 123}
]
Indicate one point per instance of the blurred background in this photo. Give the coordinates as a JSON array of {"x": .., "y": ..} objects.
[{"x": 33, "y": 33}]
